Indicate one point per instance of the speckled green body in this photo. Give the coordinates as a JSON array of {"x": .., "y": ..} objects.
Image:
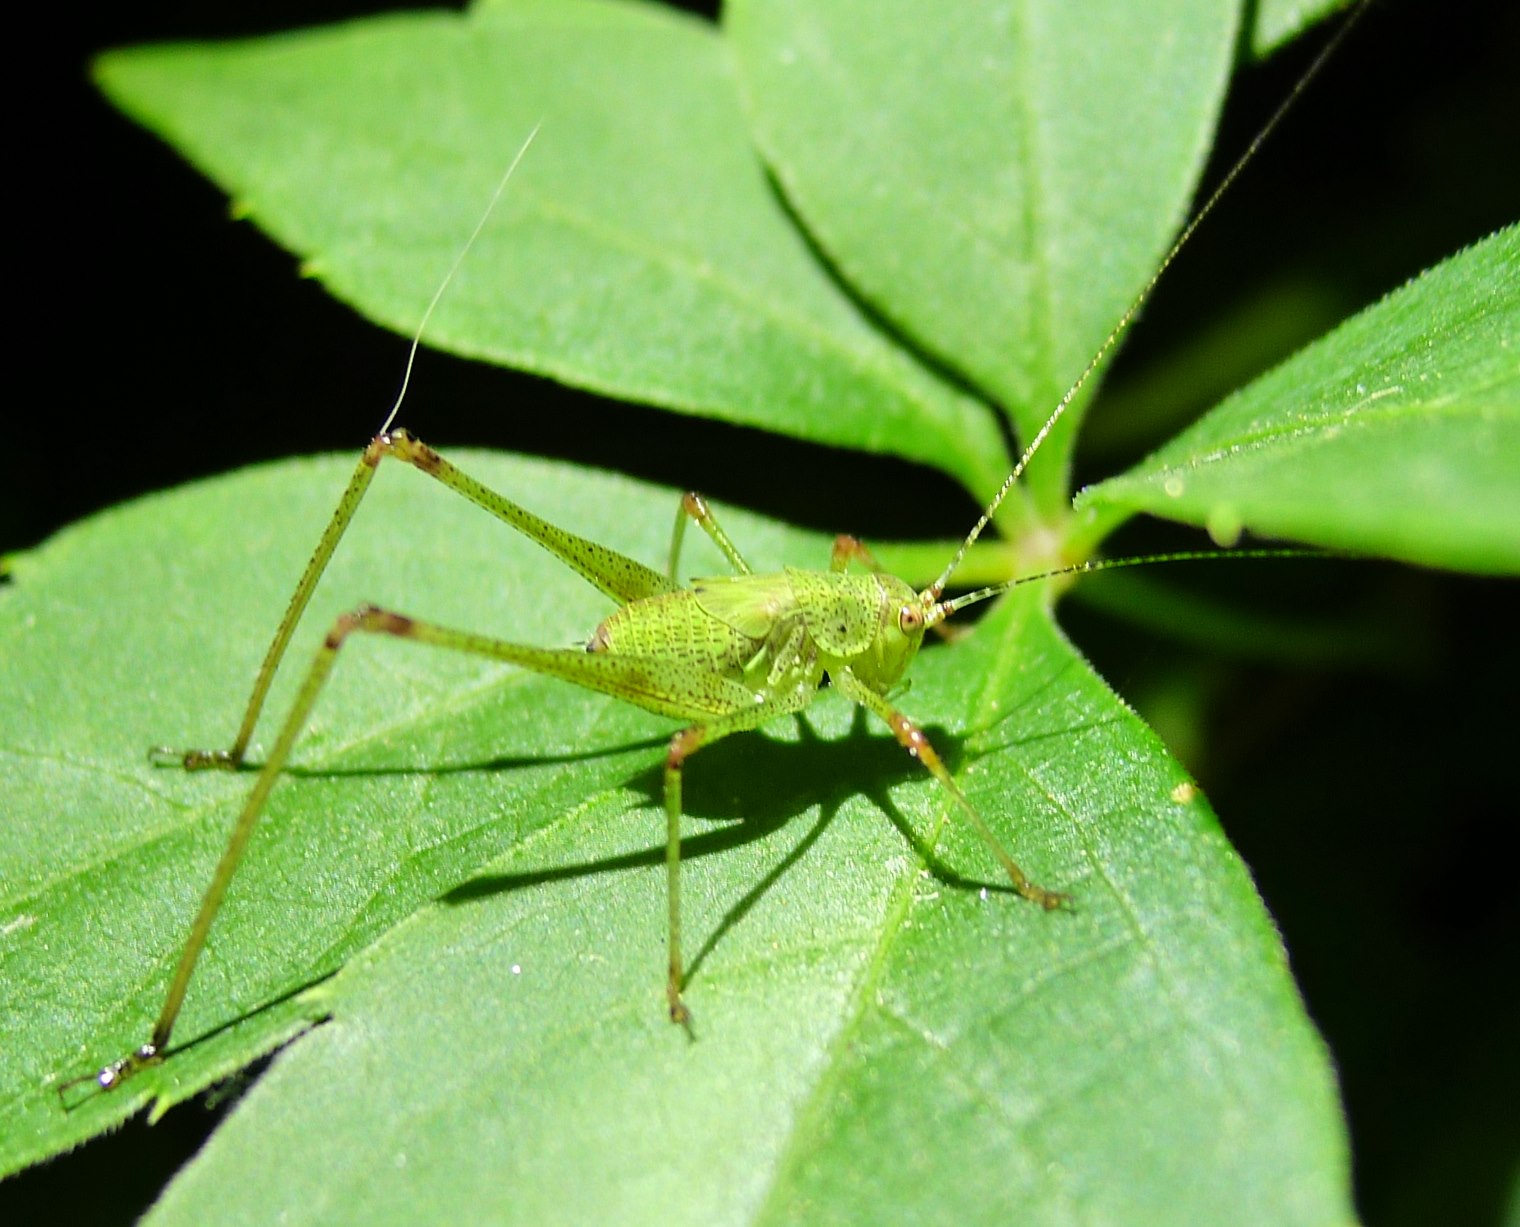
[{"x": 761, "y": 638}]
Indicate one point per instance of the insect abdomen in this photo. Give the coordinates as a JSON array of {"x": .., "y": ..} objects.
[{"x": 674, "y": 627}]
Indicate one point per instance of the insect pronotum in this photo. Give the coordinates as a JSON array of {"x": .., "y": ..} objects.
[{"x": 719, "y": 657}]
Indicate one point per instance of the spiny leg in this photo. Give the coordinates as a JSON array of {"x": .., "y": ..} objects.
[
  {"x": 913, "y": 739},
  {"x": 682, "y": 746},
  {"x": 353, "y": 495},
  {"x": 694, "y": 507},
  {"x": 619, "y": 577},
  {"x": 366, "y": 618},
  {"x": 847, "y": 549}
]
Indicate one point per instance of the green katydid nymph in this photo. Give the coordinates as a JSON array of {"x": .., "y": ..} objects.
[{"x": 719, "y": 656}]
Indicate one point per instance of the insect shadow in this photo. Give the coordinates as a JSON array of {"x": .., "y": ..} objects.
[
  {"x": 756, "y": 786},
  {"x": 470, "y": 766}
]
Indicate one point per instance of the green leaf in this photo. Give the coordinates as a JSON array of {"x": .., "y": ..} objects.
[
  {"x": 1281, "y": 21},
  {"x": 1397, "y": 434},
  {"x": 639, "y": 251},
  {"x": 939, "y": 159},
  {"x": 477, "y": 855}
]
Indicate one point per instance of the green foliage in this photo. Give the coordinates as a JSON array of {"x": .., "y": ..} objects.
[
  {"x": 477, "y": 855},
  {"x": 1398, "y": 434},
  {"x": 1278, "y": 21},
  {"x": 462, "y": 874}
]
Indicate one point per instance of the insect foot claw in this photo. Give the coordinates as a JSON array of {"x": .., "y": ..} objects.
[
  {"x": 199, "y": 760},
  {"x": 111, "y": 1076},
  {"x": 679, "y": 1014},
  {"x": 193, "y": 760},
  {"x": 1050, "y": 900}
]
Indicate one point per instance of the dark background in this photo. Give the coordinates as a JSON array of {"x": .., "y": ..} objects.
[{"x": 1372, "y": 803}]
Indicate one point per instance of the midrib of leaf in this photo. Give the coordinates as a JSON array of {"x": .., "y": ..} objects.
[
  {"x": 1038, "y": 336},
  {"x": 1310, "y": 428},
  {"x": 812, "y": 1111}
]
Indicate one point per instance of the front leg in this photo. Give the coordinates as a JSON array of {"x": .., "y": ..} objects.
[
  {"x": 694, "y": 507},
  {"x": 916, "y": 742}
]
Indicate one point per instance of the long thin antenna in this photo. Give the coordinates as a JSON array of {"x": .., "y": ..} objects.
[
  {"x": 411, "y": 357},
  {"x": 934, "y": 590},
  {"x": 944, "y": 609}
]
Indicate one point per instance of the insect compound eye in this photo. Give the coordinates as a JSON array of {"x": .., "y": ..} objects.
[{"x": 909, "y": 619}]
